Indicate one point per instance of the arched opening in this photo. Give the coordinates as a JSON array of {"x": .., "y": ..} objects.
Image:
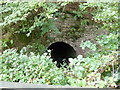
[{"x": 61, "y": 51}]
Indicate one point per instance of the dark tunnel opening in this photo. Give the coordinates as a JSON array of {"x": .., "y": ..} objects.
[{"x": 60, "y": 52}]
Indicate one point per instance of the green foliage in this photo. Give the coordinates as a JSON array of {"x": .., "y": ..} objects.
[
  {"x": 31, "y": 69},
  {"x": 88, "y": 72},
  {"x": 101, "y": 13},
  {"x": 89, "y": 45},
  {"x": 83, "y": 72},
  {"x": 28, "y": 15},
  {"x": 35, "y": 47},
  {"x": 104, "y": 60},
  {"x": 106, "y": 14},
  {"x": 99, "y": 69},
  {"x": 27, "y": 18},
  {"x": 105, "y": 47},
  {"x": 105, "y": 44}
]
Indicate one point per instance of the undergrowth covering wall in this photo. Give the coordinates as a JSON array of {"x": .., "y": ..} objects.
[{"x": 27, "y": 28}]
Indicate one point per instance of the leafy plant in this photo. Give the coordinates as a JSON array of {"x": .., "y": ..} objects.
[
  {"x": 28, "y": 18},
  {"x": 100, "y": 68},
  {"x": 31, "y": 69},
  {"x": 83, "y": 72},
  {"x": 105, "y": 48}
]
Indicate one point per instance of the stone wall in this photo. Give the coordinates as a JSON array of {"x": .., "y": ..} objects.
[{"x": 87, "y": 32}]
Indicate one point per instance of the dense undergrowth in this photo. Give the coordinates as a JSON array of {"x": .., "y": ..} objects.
[{"x": 100, "y": 68}]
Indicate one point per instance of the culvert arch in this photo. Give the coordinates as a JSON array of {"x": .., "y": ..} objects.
[{"x": 61, "y": 51}]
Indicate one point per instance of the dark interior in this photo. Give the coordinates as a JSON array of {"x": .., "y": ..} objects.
[{"x": 61, "y": 51}]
